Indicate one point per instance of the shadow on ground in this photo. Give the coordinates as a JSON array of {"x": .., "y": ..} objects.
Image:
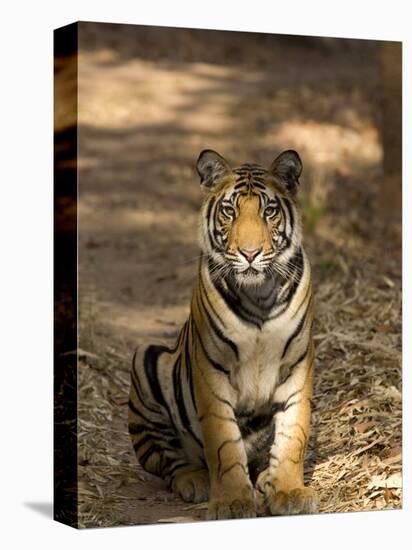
[{"x": 45, "y": 509}]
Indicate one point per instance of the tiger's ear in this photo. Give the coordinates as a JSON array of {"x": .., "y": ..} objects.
[
  {"x": 211, "y": 168},
  {"x": 288, "y": 167}
]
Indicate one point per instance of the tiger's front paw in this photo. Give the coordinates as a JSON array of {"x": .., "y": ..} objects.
[
  {"x": 231, "y": 508},
  {"x": 192, "y": 486},
  {"x": 301, "y": 500}
]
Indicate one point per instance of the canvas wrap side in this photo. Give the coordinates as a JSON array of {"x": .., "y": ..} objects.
[{"x": 65, "y": 274}]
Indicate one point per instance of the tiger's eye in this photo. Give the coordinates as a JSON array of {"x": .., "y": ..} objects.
[
  {"x": 228, "y": 211},
  {"x": 269, "y": 211}
]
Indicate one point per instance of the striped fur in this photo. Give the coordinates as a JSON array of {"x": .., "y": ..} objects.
[{"x": 224, "y": 415}]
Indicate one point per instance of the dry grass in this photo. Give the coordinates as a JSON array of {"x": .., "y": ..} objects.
[{"x": 356, "y": 450}]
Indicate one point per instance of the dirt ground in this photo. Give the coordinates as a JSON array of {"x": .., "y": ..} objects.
[{"x": 149, "y": 101}]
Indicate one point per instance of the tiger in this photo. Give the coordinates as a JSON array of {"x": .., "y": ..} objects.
[{"x": 223, "y": 416}]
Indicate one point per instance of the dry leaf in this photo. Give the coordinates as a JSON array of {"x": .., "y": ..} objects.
[
  {"x": 393, "y": 393},
  {"x": 383, "y": 328},
  {"x": 394, "y": 456},
  {"x": 364, "y": 426},
  {"x": 394, "y": 481},
  {"x": 388, "y": 281}
]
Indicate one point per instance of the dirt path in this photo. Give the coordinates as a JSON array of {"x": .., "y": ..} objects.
[{"x": 142, "y": 123}]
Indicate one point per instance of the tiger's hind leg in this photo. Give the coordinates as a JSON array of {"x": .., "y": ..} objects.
[
  {"x": 155, "y": 440},
  {"x": 162, "y": 457},
  {"x": 192, "y": 485}
]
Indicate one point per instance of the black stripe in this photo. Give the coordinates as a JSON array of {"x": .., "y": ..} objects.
[
  {"x": 136, "y": 429},
  {"x": 218, "y": 416},
  {"x": 147, "y": 454},
  {"x": 295, "y": 263},
  {"x": 280, "y": 311},
  {"x": 139, "y": 394},
  {"x": 212, "y": 232},
  {"x": 290, "y": 211},
  {"x": 150, "y": 366},
  {"x": 209, "y": 207},
  {"x": 282, "y": 406},
  {"x": 292, "y": 367},
  {"x": 181, "y": 336},
  {"x": 286, "y": 240},
  {"x": 188, "y": 365},
  {"x": 233, "y": 303},
  {"x": 229, "y": 468},
  {"x": 215, "y": 395},
  {"x": 174, "y": 442},
  {"x": 256, "y": 312},
  {"x": 157, "y": 425},
  {"x": 220, "y": 448},
  {"x": 217, "y": 330},
  {"x": 258, "y": 184},
  {"x": 179, "y": 399},
  {"x": 303, "y": 301},
  {"x": 239, "y": 185},
  {"x": 295, "y": 333},
  {"x": 286, "y": 407},
  {"x": 133, "y": 407},
  {"x": 202, "y": 286},
  {"x": 142, "y": 441},
  {"x": 215, "y": 365},
  {"x": 175, "y": 465},
  {"x": 177, "y": 390},
  {"x": 291, "y": 396}
]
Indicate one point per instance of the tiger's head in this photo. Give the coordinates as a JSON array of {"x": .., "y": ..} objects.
[{"x": 250, "y": 227}]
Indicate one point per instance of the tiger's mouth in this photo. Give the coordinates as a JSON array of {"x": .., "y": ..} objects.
[
  {"x": 251, "y": 275},
  {"x": 250, "y": 271}
]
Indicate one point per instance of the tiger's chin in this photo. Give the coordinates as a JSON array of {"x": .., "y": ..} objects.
[{"x": 250, "y": 277}]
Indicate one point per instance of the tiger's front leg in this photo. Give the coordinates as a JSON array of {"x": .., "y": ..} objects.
[
  {"x": 231, "y": 491},
  {"x": 280, "y": 488}
]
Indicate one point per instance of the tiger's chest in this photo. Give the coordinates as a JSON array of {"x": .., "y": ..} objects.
[
  {"x": 255, "y": 376},
  {"x": 268, "y": 336}
]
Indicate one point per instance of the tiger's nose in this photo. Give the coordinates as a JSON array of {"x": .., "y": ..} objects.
[{"x": 250, "y": 253}]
